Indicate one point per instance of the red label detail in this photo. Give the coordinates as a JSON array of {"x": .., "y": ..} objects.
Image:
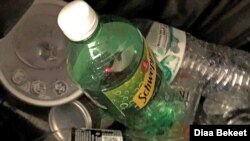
[
  {"x": 107, "y": 70},
  {"x": 145, "y": 65}
]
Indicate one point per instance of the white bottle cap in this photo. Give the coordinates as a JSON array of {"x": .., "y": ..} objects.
[{"x": 77, "y": 20}]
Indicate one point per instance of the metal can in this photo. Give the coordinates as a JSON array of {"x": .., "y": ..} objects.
[
  {"x": 86, "y": 134},
  {"x": 81, "y": 113}
]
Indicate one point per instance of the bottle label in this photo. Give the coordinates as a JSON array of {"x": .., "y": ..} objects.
[
  {"x": 139, "y": 88},
  {"x": 168, "y": 45},
  {"x": 146, "y": 90},
  {"x": 96, "y": 135}
]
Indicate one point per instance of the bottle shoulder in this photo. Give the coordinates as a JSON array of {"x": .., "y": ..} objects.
[{"x": 116, "y": 47}]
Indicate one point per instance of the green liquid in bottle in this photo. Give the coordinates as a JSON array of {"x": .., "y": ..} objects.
[
  {"x": 115, "y": 65},
  {"x": 113, "y": 61}
]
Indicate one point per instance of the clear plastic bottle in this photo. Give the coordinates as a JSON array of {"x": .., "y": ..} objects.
[
  {"x": 109, "y": 57},
  {"x": 170, "y": 48},
  {"x": 216, "y": 73}
]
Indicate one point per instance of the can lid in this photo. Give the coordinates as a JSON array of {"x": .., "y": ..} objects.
[{"x": 69, "y": 115}]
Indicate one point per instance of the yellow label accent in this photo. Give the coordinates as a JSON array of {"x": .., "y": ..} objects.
[{"x": 146, "y": 90}]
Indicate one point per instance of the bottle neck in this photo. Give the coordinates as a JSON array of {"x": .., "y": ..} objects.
[{"x": 95, "y": 32}]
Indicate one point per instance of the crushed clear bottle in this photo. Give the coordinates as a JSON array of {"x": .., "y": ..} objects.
[{"x": 219, "y": 74}]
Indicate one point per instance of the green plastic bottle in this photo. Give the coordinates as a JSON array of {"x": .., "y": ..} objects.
[{"x": 109, "y": 57}]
